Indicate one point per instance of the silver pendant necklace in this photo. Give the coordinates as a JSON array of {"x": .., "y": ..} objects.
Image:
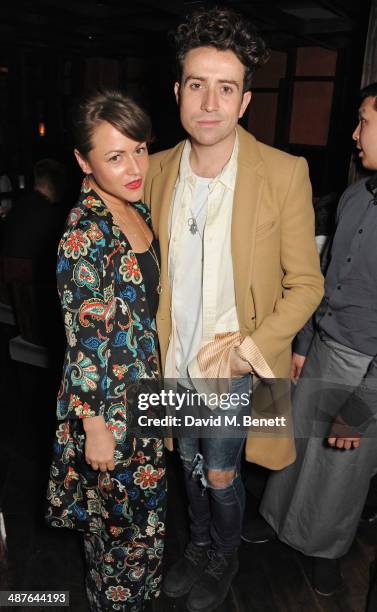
[{"x": 193, "y": 225}]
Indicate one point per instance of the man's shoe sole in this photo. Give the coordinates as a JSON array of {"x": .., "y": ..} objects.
[
  {"x": 218, "y": 603},
  {"x": 328, "y": 594},
  {"x": 182, "y": 592},
  {"x": 340, "y": 587},
  {"x": 260, "y": 541}
]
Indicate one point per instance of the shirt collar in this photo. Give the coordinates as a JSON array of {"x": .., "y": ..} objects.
[
  {"x": 371, "y": 185},
  {"x": 227, "y": 174},
  {"x": 90, "y": 200}
]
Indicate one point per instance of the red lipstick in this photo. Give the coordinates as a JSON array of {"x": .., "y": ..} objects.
[{"x": 134, "y": 184}]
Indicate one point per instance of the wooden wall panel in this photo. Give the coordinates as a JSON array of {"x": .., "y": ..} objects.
[
  {"x": 315, "y": 61},
  {"x": 262, "y": 116},
  {"x": 270, "y": 74},
  {"x": 311, "y": 112}
]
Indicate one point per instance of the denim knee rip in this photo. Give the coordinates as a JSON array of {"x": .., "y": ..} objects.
[
  {"x": 199, "y": 472},
  {"x": 196, "y": 467}
]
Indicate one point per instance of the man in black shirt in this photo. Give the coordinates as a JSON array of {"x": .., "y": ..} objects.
[
  {"x": 32, "y": 228},
  {"x": 315, "y": 504},
  {"x": 31, "y": 232}
]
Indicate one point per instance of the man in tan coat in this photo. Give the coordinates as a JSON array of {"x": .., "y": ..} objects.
[{"x": 239, "y": 270}]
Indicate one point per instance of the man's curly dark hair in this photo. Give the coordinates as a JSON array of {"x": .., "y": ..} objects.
[{"x": 224, "y": 30}]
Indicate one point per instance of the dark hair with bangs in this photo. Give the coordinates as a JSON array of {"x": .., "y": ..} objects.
[
  {"x": 370, "y": 91},
  {"x": 113, "y": 106},
  {"x": 224, "y": 30}
]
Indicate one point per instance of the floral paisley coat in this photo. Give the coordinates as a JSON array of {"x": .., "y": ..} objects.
[{"x": 111, "y": 343}]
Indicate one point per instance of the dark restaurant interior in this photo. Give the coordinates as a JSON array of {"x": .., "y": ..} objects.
[{"x": 305, "y": 102}]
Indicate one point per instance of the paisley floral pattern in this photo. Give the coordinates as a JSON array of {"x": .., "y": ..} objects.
[
  {"x": 76, "y": 244},
  {"x": 111, "y": 343},
  {"x": 129, "y": 269},
  {"x": 85, "y": 275}
]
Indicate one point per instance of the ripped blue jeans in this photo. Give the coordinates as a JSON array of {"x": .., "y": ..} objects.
[{"x": 216, "y": 513}]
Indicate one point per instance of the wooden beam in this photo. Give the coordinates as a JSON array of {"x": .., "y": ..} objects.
[
  {"x": 335, "y": 7},
  {"x": 282, "y": 22},
  {"x": 327, "y": 26}
]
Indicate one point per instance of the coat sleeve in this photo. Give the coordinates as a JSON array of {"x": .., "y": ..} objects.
[
  {"x": 305, "y": 336},
  {"x": 302, "y": 281},
  {"x": 86, "y": 292}
]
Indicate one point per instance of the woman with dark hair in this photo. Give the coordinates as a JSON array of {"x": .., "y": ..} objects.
[{"x": 105, "y": 481}]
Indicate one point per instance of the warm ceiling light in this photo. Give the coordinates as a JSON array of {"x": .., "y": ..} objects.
[{"x": 41, "y": 128}]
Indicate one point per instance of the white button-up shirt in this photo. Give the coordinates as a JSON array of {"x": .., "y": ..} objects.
[{"x": 200, "y": 263}]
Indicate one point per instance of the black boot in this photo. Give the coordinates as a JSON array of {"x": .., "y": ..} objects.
[
  {"x": 327, "y": 578},
  {"x": 185, "y": 572},
  {"x": 256, "y": 530},
  {"x": 212, "y": 588}
]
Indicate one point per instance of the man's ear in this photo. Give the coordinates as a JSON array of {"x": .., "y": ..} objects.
[
  {"x": 246, "y": 99},
  {"x": 82, "y": 162},
  {"x": 177, "y": 88}
]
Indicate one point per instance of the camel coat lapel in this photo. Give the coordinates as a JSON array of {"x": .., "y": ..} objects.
[{"x": 246, "y": 206}]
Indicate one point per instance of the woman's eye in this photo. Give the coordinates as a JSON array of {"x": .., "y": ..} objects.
[
  {"x": 141, "y": 150},
  {"x": 114, "y": 158}
]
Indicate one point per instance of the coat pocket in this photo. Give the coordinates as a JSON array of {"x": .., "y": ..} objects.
[{"x": 265, "y": 229}]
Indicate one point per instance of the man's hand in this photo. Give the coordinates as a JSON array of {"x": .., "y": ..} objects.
[
  {"x": 99, "y": 444},
  {"x": 343, "y": 435},
  {"x": 296, "y": 366},
  {"x": 346, "y": 443},
  {"x": 238, "y": 365}
]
